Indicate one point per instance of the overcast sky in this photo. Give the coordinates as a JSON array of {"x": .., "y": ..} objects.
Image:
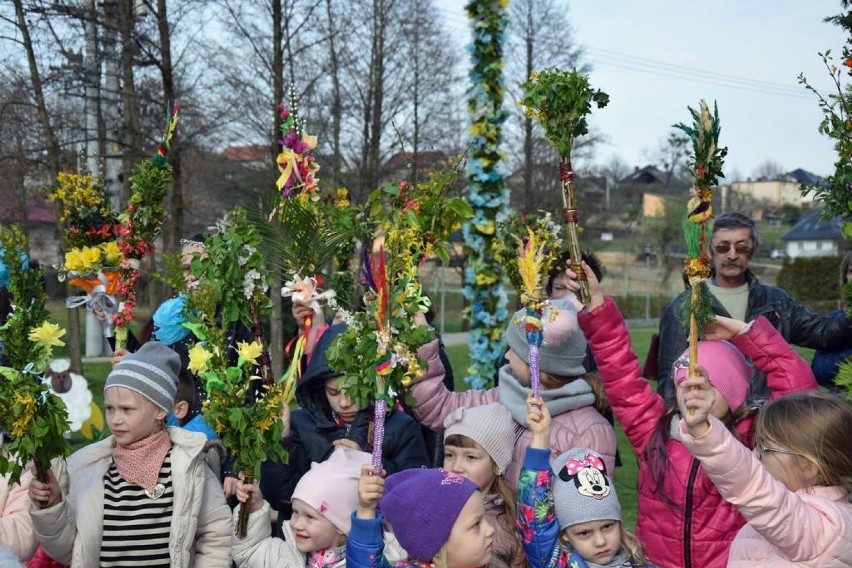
[{"x": 655, "y": 57}]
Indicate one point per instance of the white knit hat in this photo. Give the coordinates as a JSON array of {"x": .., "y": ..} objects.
[{"x": 491, "y": 426}]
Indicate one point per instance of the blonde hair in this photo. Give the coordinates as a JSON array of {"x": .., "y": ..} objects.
[
  {"x": 629, "y": 543},
  {"x": 815, "y": 425},
  {"x": 498, "y": 487}
]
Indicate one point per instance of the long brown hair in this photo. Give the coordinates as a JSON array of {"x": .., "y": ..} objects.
[
  {"x": 500, "y": 488},
  {"x": 593, "y": 379},
  {"x": 657, "y": 455}
]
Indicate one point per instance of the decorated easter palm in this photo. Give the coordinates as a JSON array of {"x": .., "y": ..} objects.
[
  {"x": 35, "y": 417},
  {"x": 142, "y": 222},
  {"x": 561, "y": 102},
  {"x": 705, "y": 165}
]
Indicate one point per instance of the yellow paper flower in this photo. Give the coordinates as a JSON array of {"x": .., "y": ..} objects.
[
  {"x": 91, "y": 255},
  {"x": 25, "y": 410},
  {"x": 112, "y": 254},
  {"x": 74, "y": 260},
  {"x": 47, "y": 334},
  {"x": 198, "y": 357},
  {"x": 249, "y": 352}
]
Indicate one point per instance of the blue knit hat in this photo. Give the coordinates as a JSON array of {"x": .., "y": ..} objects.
[{"x": 422, "y": 506}]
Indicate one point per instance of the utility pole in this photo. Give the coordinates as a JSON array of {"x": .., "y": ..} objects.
[{"x": 110, "y": 107}]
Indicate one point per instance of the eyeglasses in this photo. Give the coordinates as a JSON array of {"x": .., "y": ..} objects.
[
  {"x": 764, "y": 449},
  {"x": 740, "y": 248}
]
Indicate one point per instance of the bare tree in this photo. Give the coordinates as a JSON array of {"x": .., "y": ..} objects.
[
  {"x": 769, "y": 169},
  {"x": 539, "y": 35}
]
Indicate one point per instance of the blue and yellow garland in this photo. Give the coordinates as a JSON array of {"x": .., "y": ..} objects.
[{"x": 483, "y": 290}]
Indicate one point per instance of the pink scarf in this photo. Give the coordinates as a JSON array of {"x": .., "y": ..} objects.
[{"x": 140, "y": 462}]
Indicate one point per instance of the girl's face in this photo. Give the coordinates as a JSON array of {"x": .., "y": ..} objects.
[
  {"x": 130, "y": 416},
  {"x": 792, "y": 469},
  {"x": 312, "y": 531},
  {"x": 521, "y": 372},
  {"x": 343, "y": 406},
  {"x": 520, "y": 368},
  {"x": 720, "y": 408},
  {"x": 469, "y": 545},
  {"x": 595, "y": 541},
  {"x": 472, "y": 463}
]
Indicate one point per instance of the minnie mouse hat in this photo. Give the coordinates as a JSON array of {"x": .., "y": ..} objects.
[{"x": 582, "y": 490}]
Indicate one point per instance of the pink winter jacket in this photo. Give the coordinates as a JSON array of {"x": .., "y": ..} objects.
[
  {"x": 686, "y": 523},
  {"x": 16, "y": 529},
  {"x": 810, "y": 527},
  {"x": 580, "y": 427}
]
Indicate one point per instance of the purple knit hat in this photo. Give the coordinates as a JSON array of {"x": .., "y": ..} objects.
[{"x": 421, "y": 506}]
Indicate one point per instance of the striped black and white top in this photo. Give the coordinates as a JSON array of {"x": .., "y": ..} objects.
[{"x": 136, "y": 526}]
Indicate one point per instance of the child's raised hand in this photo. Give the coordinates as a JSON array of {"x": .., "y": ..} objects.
[
  {"x": 538, "y": 422},
  {"x": 725, "y": 328},
  {"x": 595, "y": 293},
  {"x": 45, "y": 494},
  {"x": 370, "y": 490},
  {"x": 695, "y": 398},
  {"x": 246, "y": 491},
  {"x": 303, "y": 314}
]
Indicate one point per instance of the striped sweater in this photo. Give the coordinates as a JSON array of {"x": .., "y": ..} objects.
[{"x": 137, "y": 524}]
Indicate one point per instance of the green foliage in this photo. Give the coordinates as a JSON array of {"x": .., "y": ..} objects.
[
  {"x": 812, "y": 281},
  {"x": 232, "y": 288},
  {"x": 35, "y": 417},
  {"x": 707, "y": 159},
  {"x": 231, "y": 274},
  {"x": 27, "y": 297},
  {"x": 704, "y": 315},
  {"x": 836, "y": 123},
  {"x": 561, "y": 102},
  {"x": 514, "y": 232},
  {"x": 843, "y": 379}
]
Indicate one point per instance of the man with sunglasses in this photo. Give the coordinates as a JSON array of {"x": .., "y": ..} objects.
[{"x": 736, "y": 292}]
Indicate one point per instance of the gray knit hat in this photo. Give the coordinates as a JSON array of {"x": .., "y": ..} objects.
[
  {"x": 564, "y": 347},
  {"x": 490, "y": 425},
  {"x": 152, "y": 372},
  {"x": 582, "y": 490}
]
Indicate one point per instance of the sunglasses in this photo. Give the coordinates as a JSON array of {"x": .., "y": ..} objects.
[
  {"x": 764, "y": 449},
  {"x": 741, "y": 248}
]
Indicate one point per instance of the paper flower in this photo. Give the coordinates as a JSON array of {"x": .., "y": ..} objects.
[
  {"x": 198, "y": 357},
  {"x": 47, "y": 334},
  {"x": 249, "y": 352}
]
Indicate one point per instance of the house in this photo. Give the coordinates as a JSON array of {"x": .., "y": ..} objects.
[
  {"x": 762, "y": 196},
  {"x": 254, "y": 156},
  {"x": 400, "y": 165},
  {"x": 813, "y": 236}
]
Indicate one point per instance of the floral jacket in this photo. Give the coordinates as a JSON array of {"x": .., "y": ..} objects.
[{"x": 537, "y": 518}]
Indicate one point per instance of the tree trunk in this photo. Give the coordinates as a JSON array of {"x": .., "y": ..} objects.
[
  {"x": 378, "y": 93},
  {"x": 336, "y": 105},
  {"x": 171, "y": 240},
  {"x": 132, "y": 138},
  {"x": 276, "y": 328},
  {"x": 51, "y": 143}
]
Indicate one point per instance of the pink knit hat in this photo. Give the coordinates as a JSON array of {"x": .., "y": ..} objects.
[
  {"x": 331, "y": 487},
  {"x": 728, "y": 370}
]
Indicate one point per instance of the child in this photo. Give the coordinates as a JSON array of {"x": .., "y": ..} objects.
[
  {"x": 323, "y": 502},
  {"x": 566, "y": 388},
  {"x": 144, "y": 495},
  {"x": 478, "y": 445},
  {"x": 16, "y": 528},
  {"x": 568, "y": 510},
  {"x": 793, "y": 489},
  {"x": 438, "y": 517},
  {"x": 682, "y": 519},
  {"x": 328, "y": 419},
  {"x": 186, "y": 413}
]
